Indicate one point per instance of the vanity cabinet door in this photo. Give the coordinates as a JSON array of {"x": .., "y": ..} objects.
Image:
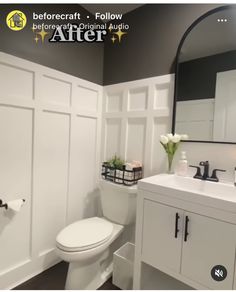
[
  {"x": 209, "y": 243},
  {"x": 161, "y": 246}
]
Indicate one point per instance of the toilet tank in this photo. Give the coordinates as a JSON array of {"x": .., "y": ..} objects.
[{"x": 118, "y": 202}]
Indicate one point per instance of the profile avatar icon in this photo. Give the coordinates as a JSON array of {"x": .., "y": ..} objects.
[{"x": 16, "y": 20}]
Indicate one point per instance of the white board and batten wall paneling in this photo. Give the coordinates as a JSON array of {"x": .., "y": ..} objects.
[
  {"x": 135, "y": 114},
  {"x": 50, "y": 126}
]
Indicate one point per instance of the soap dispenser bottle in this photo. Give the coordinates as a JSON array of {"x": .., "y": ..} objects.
[{"x": 182, "y": 168}]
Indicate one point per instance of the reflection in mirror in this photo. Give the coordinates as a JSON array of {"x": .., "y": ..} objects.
[{"x": 206, "y": 80}]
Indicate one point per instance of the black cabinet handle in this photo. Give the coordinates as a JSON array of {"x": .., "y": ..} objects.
[
  {"x": 186, "y": 228},
  {"x": 176, "y": 225}
]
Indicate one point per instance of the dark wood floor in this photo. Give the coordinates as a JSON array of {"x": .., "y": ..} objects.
[{"x": 54, "y": 279}]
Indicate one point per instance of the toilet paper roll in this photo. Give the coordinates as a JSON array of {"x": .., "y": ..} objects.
[{"x": 15, "y": 205}]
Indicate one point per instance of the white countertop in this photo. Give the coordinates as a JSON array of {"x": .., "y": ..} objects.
[{"x": 214, "y": 194}]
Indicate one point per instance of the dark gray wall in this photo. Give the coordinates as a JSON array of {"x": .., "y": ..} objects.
[
  {"x": 197, "y": 78},
  {"x": 150, "y": 46},
  {"x": 148, "y": 50},
  {"x": 79, "y": 59}
]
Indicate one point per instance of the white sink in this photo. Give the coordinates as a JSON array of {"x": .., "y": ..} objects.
[{"x": 216, "y": 194}]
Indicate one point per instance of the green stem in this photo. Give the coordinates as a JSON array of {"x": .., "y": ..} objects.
[{"x": 170, "y": 160}]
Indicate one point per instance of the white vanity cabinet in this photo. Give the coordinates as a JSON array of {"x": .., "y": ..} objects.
[
  {"x": 188, "y": 243},
  {"x": 159, "y": 236},
  {"x": 210, "y": 242},
  {"x": 186, "y": 240}
]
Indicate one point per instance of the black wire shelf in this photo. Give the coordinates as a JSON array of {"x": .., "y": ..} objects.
[{"x": 121, "y": 176}]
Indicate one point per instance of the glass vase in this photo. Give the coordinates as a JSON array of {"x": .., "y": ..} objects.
[{"x": 170, "y": 160}]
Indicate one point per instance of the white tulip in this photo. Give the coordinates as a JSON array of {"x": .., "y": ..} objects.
[
  {"x": 184, "y": 137},
  {"x": 169, "y": 136},
  {"x": 176, "y": 138},
  {"x": 164, "y": 140}
]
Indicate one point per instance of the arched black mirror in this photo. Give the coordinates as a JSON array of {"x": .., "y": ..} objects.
[{"x": 205, "y": 84}]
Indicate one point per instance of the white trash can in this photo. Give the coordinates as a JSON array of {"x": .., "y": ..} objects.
[{"x": 123, "y": 263}]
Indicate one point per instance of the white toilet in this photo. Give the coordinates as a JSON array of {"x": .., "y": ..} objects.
[{"x": 88, "y": 244}]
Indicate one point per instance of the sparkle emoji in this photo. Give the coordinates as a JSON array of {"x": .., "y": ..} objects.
[
  {"x": 113, "y": 39},
  {"x": 36, "y": 39},
  {"x": 43, "y": 34},
  {"x": 119, "y": 34}
]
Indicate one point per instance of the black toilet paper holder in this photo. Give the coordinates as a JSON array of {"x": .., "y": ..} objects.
[{"x": 5, "y": 205}]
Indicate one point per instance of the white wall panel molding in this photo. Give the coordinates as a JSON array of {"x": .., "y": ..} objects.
[
  {"x": 50, "y": 155},
  {"x": 28, "y": 269},
  {"x": 134, "y": 115}
]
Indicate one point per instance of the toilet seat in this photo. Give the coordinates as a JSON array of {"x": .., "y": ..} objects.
[{"x": 84, "y": 234}]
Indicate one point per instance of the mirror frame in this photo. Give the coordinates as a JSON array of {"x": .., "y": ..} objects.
[{"x": 176, "y": 66}]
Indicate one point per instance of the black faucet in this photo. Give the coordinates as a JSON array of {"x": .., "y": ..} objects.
[
  {"x": 205, "y": 175},
  {"x": 214, "y": 176}
]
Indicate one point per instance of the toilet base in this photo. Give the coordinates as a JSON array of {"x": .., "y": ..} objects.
[
  {"x": 92, "y": 273},
  {"x": 89, "y": 276}
]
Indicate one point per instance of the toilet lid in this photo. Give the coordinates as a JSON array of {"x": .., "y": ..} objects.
[{"x": 84, "y": 234}]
